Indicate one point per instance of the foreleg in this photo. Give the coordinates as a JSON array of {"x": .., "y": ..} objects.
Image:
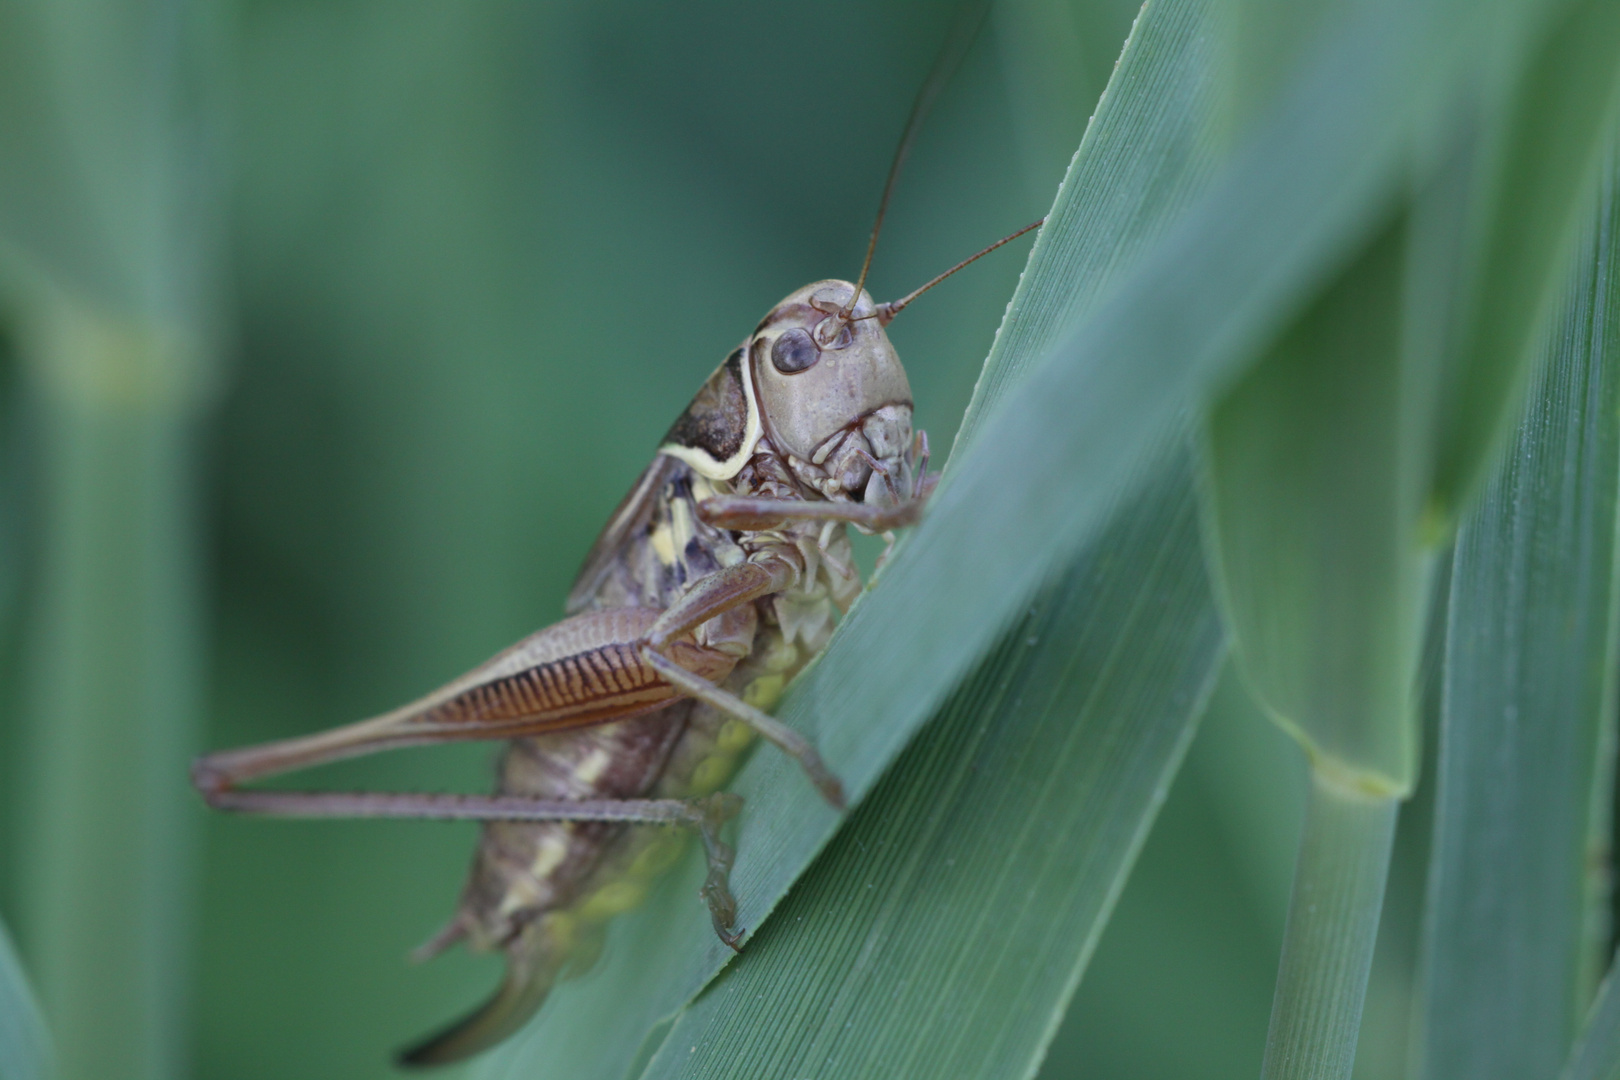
[{"x": 747, "y": 513}]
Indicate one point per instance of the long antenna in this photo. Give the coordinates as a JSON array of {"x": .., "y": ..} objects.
[
  {"x": 965, "y": 28},
  {"x": 889, "y": 310}
]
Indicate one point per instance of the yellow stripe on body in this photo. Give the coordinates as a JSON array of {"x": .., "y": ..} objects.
[{"x": 701, "y": 460}]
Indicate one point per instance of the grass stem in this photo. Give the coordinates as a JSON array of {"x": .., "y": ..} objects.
[
  {"x": 113, "y": 678},
  {"x": 1332, "y": 926}
]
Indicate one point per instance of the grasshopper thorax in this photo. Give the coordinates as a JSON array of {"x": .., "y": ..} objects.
[{"x": 820, "y": 387}]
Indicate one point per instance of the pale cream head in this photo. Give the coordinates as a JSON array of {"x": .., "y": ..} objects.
[
  {"x": 814, "y": 374},
  {"x": 826, "y": 392},
  {"x": 832, "y": 393}
]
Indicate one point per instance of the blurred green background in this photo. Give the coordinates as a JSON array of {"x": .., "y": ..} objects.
[{"x": 441, "y": 275}]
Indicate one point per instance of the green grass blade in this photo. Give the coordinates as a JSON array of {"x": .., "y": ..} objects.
[
  {"x": 1312, "y": 488},
  {"x": 112, "y": 703},
  {"x": 1312, "y": 496},
  {"x": 1277, "y": 218},
  {"x": 1332, "y": 927},
  {"x": 25, "y": 1050},
  {"x": 1597, "y": 1055},
  {"x": 1559, "y": 120},
  {"x": 1528, "y": 692},
  {"x": 108, "y": 233},
  {"x": 1259, "y": 44},
  {"x": 108, "y": 166},
  {"x": 944, "y": 930},
  {"x": 1318, "y": 478}
]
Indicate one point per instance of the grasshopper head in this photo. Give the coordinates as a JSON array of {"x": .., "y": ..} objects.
[{"x": 833, "y": 397}]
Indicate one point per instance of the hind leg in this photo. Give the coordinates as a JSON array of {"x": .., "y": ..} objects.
[{"x": 707, "y": 815}]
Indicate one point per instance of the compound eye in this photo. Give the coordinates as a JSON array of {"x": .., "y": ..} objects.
[{"x": 794, "y": 352}]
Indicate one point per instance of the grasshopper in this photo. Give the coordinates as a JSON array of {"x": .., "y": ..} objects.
[{"x": 718, "y": 578}]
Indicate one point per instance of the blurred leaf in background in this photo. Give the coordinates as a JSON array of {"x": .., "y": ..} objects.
[
  {"x": 111, "y": 241},
  {"x": 1517, "y": 927},
  {"x": 25, "y": 1050}
]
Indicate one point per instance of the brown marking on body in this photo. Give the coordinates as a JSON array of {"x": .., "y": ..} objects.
[
  {"x": 716, "y": 421},
  {"x": 602, "y": 680}
]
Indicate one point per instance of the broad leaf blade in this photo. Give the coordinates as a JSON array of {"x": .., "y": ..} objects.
[
  {"x": 1312, "y": 500},
  {"x": 1560, "y": 119},
  {"x": 1597, "y": 1055},
  {"x": 1312, "y": 488},
  {"x": 1528, "y": 692},
  {"x": 109, "y": 179},
  {"x": 946, "y": 927},
  {"x": 109, "y": 206},
  {"x": 24, "y": 1042}
]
